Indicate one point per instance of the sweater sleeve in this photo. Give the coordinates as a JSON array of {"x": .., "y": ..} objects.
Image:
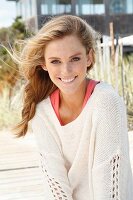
[
  {"x": 56, "y": 183},
  {"x": 111, "y": 173}
]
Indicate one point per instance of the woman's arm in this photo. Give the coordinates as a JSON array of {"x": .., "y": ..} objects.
[
  {"x": 55, "y": 177},
  {"x": 111, "y": 173}
]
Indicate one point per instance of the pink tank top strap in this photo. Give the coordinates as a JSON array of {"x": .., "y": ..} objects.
[
  {"x": 90, "y": 88},
  {"x": 54, "y": 98}
]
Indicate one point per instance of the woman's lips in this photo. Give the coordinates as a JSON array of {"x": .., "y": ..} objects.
[{"x": 67, "y": 80}]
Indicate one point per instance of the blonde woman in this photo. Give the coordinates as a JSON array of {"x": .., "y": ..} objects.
[{"x": 79, "y": 123}]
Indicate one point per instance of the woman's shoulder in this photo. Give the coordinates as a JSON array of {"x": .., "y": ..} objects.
[
  {"x": 105, "y": 88},
  {"x": 42, "y": 107},
  {"x": 105, "y": 94}
]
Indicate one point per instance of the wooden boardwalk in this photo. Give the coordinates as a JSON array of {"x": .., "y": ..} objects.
[
  {"x": 20, "y": 177},
  {"x": 131, "y": 148}
]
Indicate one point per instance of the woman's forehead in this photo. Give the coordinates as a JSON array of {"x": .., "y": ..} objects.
[{"x": 68, "y": 43}]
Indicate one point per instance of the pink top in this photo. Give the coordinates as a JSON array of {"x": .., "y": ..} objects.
[{"x": 54, "y": 97}]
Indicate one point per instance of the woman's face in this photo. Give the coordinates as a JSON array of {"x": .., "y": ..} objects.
[{"x": 66, "y": 62}]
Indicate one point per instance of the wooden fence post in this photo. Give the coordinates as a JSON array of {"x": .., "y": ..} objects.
[{"x": 111, "y": 28}]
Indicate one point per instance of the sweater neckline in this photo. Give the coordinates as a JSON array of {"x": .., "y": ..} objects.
[{"x": 77, "y": 118}]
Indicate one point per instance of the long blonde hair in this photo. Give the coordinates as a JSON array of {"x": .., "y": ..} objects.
[{"x": 39, "y": 85}]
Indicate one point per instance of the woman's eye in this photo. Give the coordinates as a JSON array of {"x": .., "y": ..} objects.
[
  {"x": 55, "y": 61},
  {"x": 75, "y": 59}
]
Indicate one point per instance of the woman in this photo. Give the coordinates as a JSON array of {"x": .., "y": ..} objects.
[{"x": 79, "y": 123}]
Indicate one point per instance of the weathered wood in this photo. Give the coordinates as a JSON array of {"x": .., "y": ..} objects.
[
  {"x": 20, "y": 175},
  {"x": 111, "y": 28}
]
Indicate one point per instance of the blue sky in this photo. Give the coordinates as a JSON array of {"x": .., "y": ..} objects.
[{"x": 7, "y": 12}]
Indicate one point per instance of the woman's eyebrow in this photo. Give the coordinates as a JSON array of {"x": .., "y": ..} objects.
[
  {"x": 77, "y": 54},
  {"x": 53, "y": 58}
]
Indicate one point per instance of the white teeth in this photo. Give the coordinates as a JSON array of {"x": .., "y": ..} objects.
[{"x": 67, "y": 80}]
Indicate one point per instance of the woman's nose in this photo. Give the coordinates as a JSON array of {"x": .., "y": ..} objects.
[{"x": 66, "y": 68}]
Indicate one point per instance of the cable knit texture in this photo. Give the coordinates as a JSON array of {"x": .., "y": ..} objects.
[{"x": 88, "y": 158}]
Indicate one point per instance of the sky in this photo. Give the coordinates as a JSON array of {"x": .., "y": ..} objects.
[{"x": 7, "y": 12}]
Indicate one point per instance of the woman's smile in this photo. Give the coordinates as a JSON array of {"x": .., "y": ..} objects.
[{"x": 68, "y": 80}]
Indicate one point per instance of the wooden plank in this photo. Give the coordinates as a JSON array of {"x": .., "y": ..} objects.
[{"x": 20, "y": 176}]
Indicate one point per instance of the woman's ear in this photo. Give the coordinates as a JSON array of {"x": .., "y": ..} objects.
[
  {"x": 44, "y": 67},
  {"x": 90, "y": 58}
]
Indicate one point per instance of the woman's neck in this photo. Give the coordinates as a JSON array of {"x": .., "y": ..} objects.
[{"x": 75, "y": 101}]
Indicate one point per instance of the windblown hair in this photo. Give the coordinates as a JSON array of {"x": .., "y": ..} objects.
[{"x": 39, "y": 85}]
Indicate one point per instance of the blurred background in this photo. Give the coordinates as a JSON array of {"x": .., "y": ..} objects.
[{"x": 19, "y": 19}]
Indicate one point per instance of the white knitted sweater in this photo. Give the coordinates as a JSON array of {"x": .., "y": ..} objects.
[{"x": 87, "y": 159}]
